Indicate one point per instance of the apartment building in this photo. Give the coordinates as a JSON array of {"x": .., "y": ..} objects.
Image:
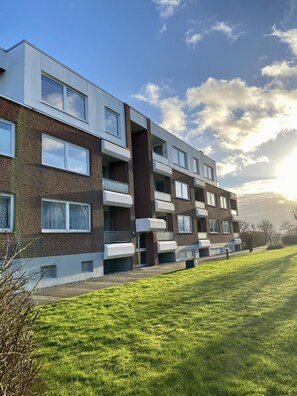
[{"x": 93, "y": 185}]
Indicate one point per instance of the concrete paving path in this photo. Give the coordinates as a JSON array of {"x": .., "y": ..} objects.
[{"x": 60, "y": 292}]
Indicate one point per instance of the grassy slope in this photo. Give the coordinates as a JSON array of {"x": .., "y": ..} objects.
[{"x": 224, "y": 328}]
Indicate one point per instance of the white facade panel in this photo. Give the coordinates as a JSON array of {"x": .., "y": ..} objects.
[
  {"x": 199, "y": 182},
  {"x": 148, "y": 225},
  {"x": 204, "y": 244},
  {"x": 165, "y": 207},
  {"x": 118, "y": 250},
  {"x": 166, "y": 246},
  {"x": 111, "y": 198},
  {"x": 12, "y": 80},
  {"x": 202, "y": 235},
  {"x": 138, "y": 118},
  {"x": 201, "y": 212}
]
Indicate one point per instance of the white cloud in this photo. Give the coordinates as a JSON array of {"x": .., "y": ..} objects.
[
  {"x": 149, "y": 93},
  {"x": 228, "y": 31},
  {"x": 288, "y": 37},
  {"x": 192, "y": 38},
  {"x": 236, "y": 162},
  {"x": 163, "y": 28},
  {"x": 167, "y": 8},
  {"x": 282, "y": 69}
]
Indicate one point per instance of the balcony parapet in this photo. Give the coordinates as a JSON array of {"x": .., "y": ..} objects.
[
  {"x": 164, "y": 236},
  {"x": 198, "y": 182},
  {"x": 201, "y": 212},
  {"x": 200, "y": 204},
  {"x": 202, "y": 235},
  {"x": 116, "y": 186},
  {"x": 161, "y": 196},
  {"x": 117, "y": 236}
]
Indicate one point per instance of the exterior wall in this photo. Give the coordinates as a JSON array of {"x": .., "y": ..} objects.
[{"x": 30, "y": 181}]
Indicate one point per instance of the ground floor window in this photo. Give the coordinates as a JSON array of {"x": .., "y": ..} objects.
[
  {"x": 60, "y": 216},
  {"x": 6, "y": 212}
]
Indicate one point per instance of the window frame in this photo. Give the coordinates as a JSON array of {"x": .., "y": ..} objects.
[
  {"x": 196, "y": 166},
  {"x": 12, "y": 137},
  {"x": 67, "y": 217},
  {"x": 213, "y": 199},
  {"x": 224, "y": 222},
  {"x": 224, "y": 199},
  {"x": 108, "y": 109},
  {"x": 218, "y": 226},
  {"x": 182, "y": 190},
  {"x": 65, "y": 106},
  {"x": 184, "y": 231},
  {"x": 179, "y": 152},
  {"x": 206, "y": 169},
  {"x": 11, "y": 214},
  {"x": 66, "y": 156}
]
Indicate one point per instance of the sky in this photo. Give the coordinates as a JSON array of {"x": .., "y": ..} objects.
[{"x": 220, "y": 74}]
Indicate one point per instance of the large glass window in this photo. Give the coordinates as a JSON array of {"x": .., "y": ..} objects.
[
  {"x": 211, "y": 199},
  {"x": 62, "y": 97},
  {"x": 213, "y": 226},
  {"x": 179, "y": 157},
  {"x": 184, "y": 224},
  {"x": 208, "y": 172},
  {"x": 196, "y": 165},
  {"x": 223, "y": 202},
  {"x": 112, "y": 122},
  {"x": 7, "y": 138},
  {"x": 6, "y": 212},
  {"x": 65, "y": 216},
  {"x": 182, "y": 190},
  {"x": 226, "y": 227},
  {"x": 64, "y": 155}
]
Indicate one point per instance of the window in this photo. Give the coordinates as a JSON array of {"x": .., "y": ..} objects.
[
  {"x": 6, "y": 212},
  {"x": 158, "y": 150},
  {"x": 196, "y": 165},
  {"x": 208, "y": 172},
  {"x": 213, "y": 226},
  {"x": 62, "y": 97},
  {"x": 179, "y": 158},
  {"x": 112, "y": 122},
  {"x": 49, "y": 271},
  {"x": 7, "y": 138},
  {"x": 87, "y": 266},
  {"x": 59, "y": 216},
  {"x": 63, "y": 155},
  {"x": 226, "y": 227},
  {"x": 211, "y": 199},
  {"x": 184, "y": 224},
  {"x": 182, "y": 190},
  {"x": 224, "y": 202},
  {"x": 160, "y": 185}
]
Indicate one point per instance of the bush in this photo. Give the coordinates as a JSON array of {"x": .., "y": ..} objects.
[
  {"x": 272, "y": 247},
  {"x": 289, "y": 239},
  {"x": 259, "y": 239},
  {"x": 18, "y": 369}
]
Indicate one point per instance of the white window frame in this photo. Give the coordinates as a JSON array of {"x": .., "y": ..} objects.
[
  {"x": 184, "y": 190},
  {"x": 223, "y": 202},
  {"x": 216, "y": 222},
  {"x": 65, "y": 87},
  {"x": 181, "y": 218},
  {"x": 179, "y": 152},
  {"x": 196, "y": 168},
  {"x": 208, "y": 172},
  {"x": 225, "y": 222},
  {"x": 11, "y": 219},
  {"x": 66, "y": 149},
  {"x": 12, "y": 137},
  {"x": 67, "y": 217},
  {"x": 118, "y": 122},
  {"x": 211, "y": 199}
]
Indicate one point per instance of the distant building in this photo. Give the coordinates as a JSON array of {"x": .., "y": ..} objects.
[{"x": 95, "y": 184}]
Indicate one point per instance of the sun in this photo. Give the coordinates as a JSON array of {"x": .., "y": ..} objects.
[{"x": 287, "y": 176}]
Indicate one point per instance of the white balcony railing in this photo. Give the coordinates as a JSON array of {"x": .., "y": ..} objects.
[
  {"x": 202, "y": 235},
  {"x": 160, "y": 158},
  {"x": 200, "y": 204},
  {"x": 234, "y": 212},
  {"x": 161, "y": 196},
  {"x": 113, "y": 185},
  {"x": 164, "y": 236},
  {"x": 117, "y": 236}
]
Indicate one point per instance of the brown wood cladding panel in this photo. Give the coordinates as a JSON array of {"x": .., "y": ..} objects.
[{"x": 31, "y": 181}]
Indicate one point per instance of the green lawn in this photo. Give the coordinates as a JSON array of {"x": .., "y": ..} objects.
[{"x": 223, "y": 328}]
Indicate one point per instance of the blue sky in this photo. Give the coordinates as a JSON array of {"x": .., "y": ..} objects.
[{"x": 220, "y": 74}]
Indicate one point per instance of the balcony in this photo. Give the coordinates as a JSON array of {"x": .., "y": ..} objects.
[
  {"x": 161, "y": 196},
  {"x": 202, "y": 235},
  {"x": 164, "y": 236},
  {"x": 161, "y": 165},
  {"x": 200, "y": 204},
  {"x": 149, "y": 225},
  {"x": 201, "y": 212},
  {"x": 234, "y": 214},
  {"x": 198, "y": 182},
  {"x": 116, "y": 193},
  {"x": 118, "y": 250},
  {"x": 112, "y": 150},
  {"x": 204, "y": 244},
  {"x": 117, "y": 237},
  {"x": 163, "y": 202}
]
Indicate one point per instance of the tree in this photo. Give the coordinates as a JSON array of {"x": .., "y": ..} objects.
[
  {"x": 244, "y": 225},
  {"x": 287, "y": 226},
  {"x": 267, "y": 228},
  {"x": 294, "y": 210},
  {"x": 18, "y": 369}
]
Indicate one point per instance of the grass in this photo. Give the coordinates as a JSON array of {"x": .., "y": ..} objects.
[{"x": 223, "y": 328}]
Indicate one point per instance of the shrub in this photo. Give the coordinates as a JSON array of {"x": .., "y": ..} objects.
[
  {"x": 272, "y": 247},
  {"x": 18, "y": 369},
  {"x": 289, "y": 239}
]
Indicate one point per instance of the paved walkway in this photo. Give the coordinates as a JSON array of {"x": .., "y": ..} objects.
[{"x": 58, "y": 293}]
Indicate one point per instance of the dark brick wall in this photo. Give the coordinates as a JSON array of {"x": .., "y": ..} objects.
[{"x": 31, "y": 181}]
